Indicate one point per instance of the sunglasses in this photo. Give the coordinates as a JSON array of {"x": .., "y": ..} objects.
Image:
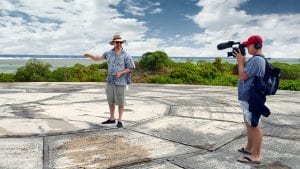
[{"x": 118, "y": 42}]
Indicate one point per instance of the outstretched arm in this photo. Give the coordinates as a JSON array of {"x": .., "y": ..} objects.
[{"x": 93, "y": 57}]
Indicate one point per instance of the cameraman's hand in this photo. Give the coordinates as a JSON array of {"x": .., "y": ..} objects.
[{"x": 239, "y": 57}]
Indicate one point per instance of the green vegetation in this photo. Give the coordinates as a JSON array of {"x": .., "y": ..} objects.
[
  {"x": 78, "y": 73},
  {"x": 33, "y": 71},
  {"x": 7, "y": 77},
  {"x": 153, "y": 67},
  {"x": 155, "y": 61}
]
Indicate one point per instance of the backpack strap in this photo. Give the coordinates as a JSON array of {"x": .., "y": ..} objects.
[
  {"x": 262, "y": 57},
  {"x": 267, "y": 62}
]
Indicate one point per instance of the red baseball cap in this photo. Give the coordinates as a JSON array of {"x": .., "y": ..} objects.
[{"x": 253, "y": 39}]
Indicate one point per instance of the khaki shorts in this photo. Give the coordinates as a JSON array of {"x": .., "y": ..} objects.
[{"x": 115, "y": 94}]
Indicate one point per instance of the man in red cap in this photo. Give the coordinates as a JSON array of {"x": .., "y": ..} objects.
[{"x": 255, "y": 66}]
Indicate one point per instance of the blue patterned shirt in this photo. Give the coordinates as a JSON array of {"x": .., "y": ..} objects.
[{"x": 117, "y": 63}]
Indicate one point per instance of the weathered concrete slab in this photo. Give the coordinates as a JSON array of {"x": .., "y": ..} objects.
[
  {"x": 37, "y": 112},
  {"x": 208, "y": 112},
  {"x": 276, "y": 153},
  {"x": 195, "y": 95},
  {"x": 166, "y": 126},
  {"x": 20, "y": 153},
  {"x": 206, "y": 134},
  {"x": 284, "y": 121},
  {"x": 7, "y": 91},
  {"x": 281, "y": 131},
  {"x": 109, "y": 148},
  {"x": 286, "y": 105},
  {"x": 23, "y": 98}
]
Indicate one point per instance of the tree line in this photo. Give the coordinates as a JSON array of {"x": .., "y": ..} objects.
[{"x": 153, "y": 67}]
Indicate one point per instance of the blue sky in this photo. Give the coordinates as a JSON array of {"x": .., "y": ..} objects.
[{"x": 178, "y": 27}]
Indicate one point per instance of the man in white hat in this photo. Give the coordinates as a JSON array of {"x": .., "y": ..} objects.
[{"x": 120, "y": 65}]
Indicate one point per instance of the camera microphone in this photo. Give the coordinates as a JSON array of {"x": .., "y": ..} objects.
[{"x": 225, "y": 45}]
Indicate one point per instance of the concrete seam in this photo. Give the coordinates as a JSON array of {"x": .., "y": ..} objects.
[
  {"x": 283, "y": 138},
  {"x": 243, "y": 134},
  {"x": 170, "y": 108},
  {"x": 177, "y": 164},
  {"x": 56, "y": 134},
  {"x": 164, "y": 139},
  {"x": 45, "y": 153}
]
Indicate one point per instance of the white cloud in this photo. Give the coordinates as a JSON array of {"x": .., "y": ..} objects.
[
  {"x": 135, "y": 10},
  {"x": 140, "y": 47},
  {"x": 61, "y": 27},
  {"x": 6, "y": 5},
  {"x": 220, "y": 14},
  {"x": 156, "y": 11},
  {"x": 78, "y": 26},
  {"x": 223, "y": 21},
  {"x": 141, "y": 7},
  {"x": 183, "y": 51}
]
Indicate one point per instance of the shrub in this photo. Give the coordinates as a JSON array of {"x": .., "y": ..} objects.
[
  {"x": 218, "y": 64},
  {"x": 33, "y": 71},
  {"x": 163, "y": 80},
  {"x": 78, "y": 73},
  {"x": 225, "y": 80},
  {"x": 7, "y": 77},
  {"x": 61, "y": 74},
  {"x": 188, "y": 73},
  {"x": 290, "y": 85},
  {"x": 102, "y": 65},
  {"x": 154, "y": 61},
  {"x": 288, "y": 72}
]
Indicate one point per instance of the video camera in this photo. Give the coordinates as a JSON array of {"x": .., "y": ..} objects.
[{"x": 229, "y": 44}]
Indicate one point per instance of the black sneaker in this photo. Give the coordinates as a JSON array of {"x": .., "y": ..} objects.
[
  {"x": 119, "y": 124},
  {"x": 109, "y": 122}
]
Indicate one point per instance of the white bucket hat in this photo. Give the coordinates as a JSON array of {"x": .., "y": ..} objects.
[{"x": 117, "y": 38}]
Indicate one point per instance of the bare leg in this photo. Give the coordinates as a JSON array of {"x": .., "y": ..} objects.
[
  {"x": 256, "y": 142},
  {"x": 112, "y": 111},
  {"x": 121, "y": 110},
  {"x": 249, "y": 137}
]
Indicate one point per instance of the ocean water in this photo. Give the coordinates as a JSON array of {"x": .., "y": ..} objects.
[{"x": 10, "y": 63}]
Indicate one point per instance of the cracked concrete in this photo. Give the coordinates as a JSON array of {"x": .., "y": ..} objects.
[{"x": 58, "y": 125}]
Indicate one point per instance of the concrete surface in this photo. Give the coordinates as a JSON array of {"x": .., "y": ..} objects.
[{"x": 58, "y": 125}]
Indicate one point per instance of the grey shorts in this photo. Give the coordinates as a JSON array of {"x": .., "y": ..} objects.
[
  {"x": 115, "y": 94},
  {"x": 246, "y": 112}
]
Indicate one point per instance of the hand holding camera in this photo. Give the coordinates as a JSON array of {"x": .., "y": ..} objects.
[
  {"x": 236, "y": 47},
  {"x": 239, "y": 57}
]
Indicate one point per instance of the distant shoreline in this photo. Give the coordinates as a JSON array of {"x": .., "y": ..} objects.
[
  {"x": 174, "y": 58},
  {"x": 10, "y": 63}
]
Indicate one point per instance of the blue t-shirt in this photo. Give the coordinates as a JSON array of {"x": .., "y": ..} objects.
[
  {"x": 254, "y": 67},
  {"x": 117, "y": 63}
]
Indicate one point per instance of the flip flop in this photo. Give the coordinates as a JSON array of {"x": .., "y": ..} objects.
[
  {"x": 247, "y": 160},
  {"x": 244, "y": 151}
]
